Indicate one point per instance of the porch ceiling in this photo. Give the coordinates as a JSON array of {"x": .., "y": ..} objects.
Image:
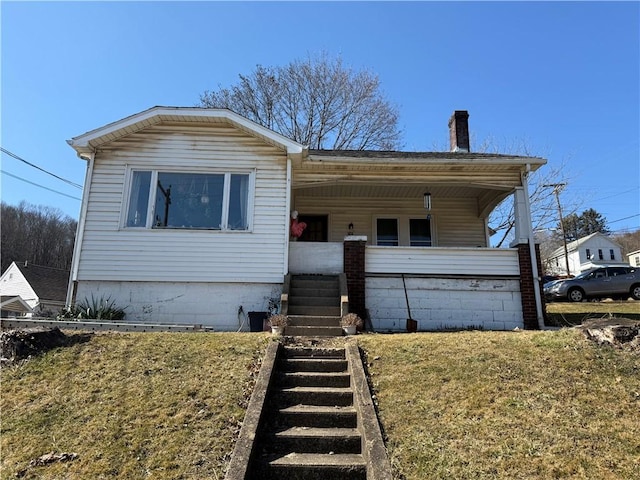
[{"x": 380, "y": 190}]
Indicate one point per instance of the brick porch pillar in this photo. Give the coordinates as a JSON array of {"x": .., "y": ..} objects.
[
  {"x": 354, "y": 255},
  {"x": 529, "y": 311}
]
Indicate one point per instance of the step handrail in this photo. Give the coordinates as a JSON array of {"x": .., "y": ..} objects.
[
  {"x": 344, "y": 294},
  {"x": 284, "y": 297}
]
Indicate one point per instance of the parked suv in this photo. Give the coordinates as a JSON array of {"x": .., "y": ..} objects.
[{"x": 601, "y": 282}]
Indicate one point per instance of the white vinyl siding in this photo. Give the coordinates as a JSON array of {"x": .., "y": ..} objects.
[
  {"x": 454, "y": 221},
  {"x": 111, "y": 252}
]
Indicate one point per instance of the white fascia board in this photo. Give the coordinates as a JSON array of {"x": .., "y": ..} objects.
[
  {"x": 534, "y": 162},
  {"x": 88, "y": 142}
]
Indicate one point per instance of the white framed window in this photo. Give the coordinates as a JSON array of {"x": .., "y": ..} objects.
[
  {"x": 404, "y": 231},
  {"x": 612, "y": 254},
  {"x": 600, "y": 254},
  {"x": 165, "y": 199},
  {"x": 420, "y": 232},
  {"x": 387, "y": 232}
]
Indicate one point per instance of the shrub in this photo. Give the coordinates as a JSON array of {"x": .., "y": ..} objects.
[
  {"x": 350, "y": 320},
  {"x": 96, "y": 309},
  {"x": 278, "y": 320}
]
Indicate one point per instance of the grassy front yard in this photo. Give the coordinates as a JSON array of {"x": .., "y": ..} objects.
[
  {"x": 131, "y": 405},
  {"x": 525, "y": 405},
  {"x": 454, "y": 405},
  {"x": 567, "y": 313}
]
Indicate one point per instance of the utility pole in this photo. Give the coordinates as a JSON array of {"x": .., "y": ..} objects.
[{"x": 557, "y": 188}]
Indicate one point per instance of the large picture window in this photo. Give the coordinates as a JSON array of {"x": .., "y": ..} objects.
[{"x": 212, "y": 201}]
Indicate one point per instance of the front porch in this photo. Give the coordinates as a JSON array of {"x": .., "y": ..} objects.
[
  {"x": 328, "y": 258},
  {"x": 441, "y": 288}
]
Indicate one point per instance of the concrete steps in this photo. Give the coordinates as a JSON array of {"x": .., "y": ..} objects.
[
  {"x": 312, "y": 428},
  {"x": 314, "y": 306},
  {"x": 307, "y": 466}
]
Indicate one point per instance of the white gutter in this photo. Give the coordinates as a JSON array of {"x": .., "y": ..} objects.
[
  {"x": 77, "y": 247},
  {"x": 532, "y": 251}
]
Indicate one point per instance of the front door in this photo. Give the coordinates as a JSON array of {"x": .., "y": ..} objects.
[{"x": 317, "y": 228}]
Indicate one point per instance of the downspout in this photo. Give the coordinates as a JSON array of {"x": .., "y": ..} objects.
[
  {"x": 532, "y": 250},
  {"x": 287, "y": 218},
  {"x": 77, "y": 247}
]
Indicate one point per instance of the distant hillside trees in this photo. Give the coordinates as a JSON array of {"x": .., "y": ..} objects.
[
  {"x": 38, "y": 234},
  {"x": 629, "y": 241}
]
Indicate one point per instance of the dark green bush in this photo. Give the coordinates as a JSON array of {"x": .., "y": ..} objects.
[{"x": 94, "y": 309}]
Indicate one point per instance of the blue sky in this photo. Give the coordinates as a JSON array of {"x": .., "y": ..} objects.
[{"x": 562, "y": 77}]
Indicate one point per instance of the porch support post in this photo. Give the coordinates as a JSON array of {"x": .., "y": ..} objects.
[
  {"x": 529, "y": 259},
  {"x": 520, "y": 216},
  {"x": 354, "y": 263}
]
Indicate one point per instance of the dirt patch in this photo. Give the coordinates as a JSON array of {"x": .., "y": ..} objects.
[
  {"x": 617, "y": 332},
  {"x": 16, "y": 345}
]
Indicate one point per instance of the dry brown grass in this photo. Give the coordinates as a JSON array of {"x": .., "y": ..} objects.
[
  {"x": 566, "y": 314},
  {"x": 143, "y": 405},
  {"x": 506, "y": 405}
]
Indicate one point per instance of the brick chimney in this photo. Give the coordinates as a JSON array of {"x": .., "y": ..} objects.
[{"x": 459, "y": 131}]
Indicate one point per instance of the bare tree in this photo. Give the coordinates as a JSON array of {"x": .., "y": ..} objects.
[
  {"x": 38, "y": 234},
  {"x": 544, "y": 210},
  {"x": 317, "y": 102}
]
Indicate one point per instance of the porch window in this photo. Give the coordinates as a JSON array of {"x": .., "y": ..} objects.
[
  {"x": 420, "y": 232},
  {"x": 212, "y": 201},
  {"x": 387, "y": 232}
]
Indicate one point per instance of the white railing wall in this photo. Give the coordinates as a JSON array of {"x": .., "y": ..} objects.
[
  {"x": 316, "y": 257},
  {"x": 442, "y": 261}
]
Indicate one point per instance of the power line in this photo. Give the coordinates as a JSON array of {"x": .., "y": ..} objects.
[
  {"x": 38, "y": 185},
  {"x": 616, "y": 194},
  {"x": 625, "y": 218},
  {"x": 11, "y": 154}
]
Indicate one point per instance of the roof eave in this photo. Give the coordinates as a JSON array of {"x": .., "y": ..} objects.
[
  {"x": 533, "y": 162},
  {"x": 88, "y": 142}
]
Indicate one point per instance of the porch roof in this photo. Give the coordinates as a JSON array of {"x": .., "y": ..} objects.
[
  {"x": 487, "y": 177},
  {"x": 479, "y": 170}
]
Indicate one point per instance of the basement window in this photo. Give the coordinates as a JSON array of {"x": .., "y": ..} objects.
[{"x": 196, "y": 201}]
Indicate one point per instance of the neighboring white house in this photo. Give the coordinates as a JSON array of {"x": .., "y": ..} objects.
[
  {"x": 185, "y": 218},
  {"x": 634, "y": 258},
  {"x": 42, "y": 289},
  {"x": 586, "y": 252}
]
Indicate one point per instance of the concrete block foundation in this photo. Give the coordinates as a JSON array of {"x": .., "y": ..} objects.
[{"x": 444, "y": 303}]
